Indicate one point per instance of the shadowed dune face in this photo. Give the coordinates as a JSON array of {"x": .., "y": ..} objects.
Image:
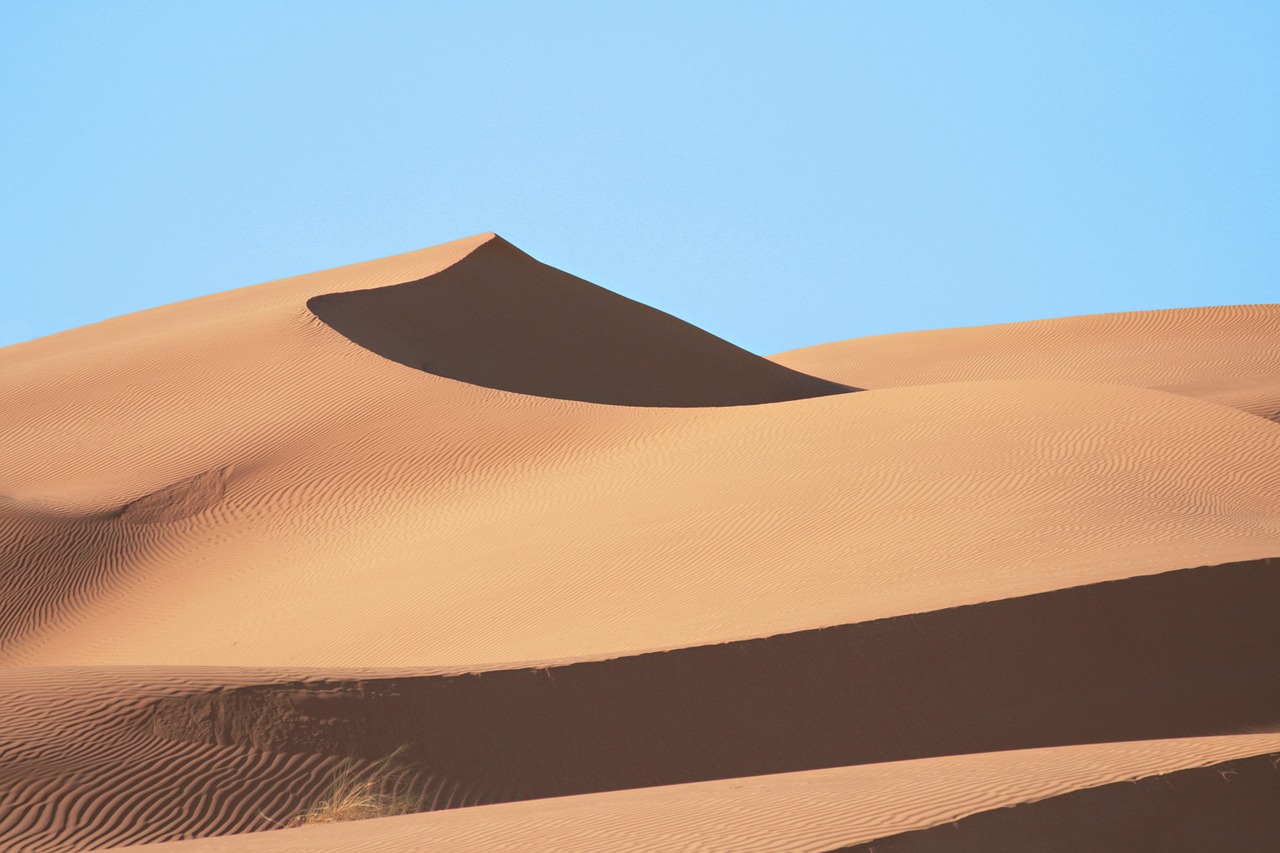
[
  {"x": 500, "y": 319},
  {"x": 206, "y": 752},
  {"x": 1194, "y": 652},
  {"x": 758, "y": 621},
  {"x": 811, "y": 812},
  {"x": 79, "y": 771}
]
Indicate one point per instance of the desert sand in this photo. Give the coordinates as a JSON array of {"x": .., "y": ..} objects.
[{"x": 596, "y": 579}]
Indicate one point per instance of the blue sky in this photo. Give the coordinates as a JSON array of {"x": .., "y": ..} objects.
[{"x": 779, "y": 174}]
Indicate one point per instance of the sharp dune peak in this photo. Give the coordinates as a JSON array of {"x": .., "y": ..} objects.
[{"x": 498, "y": 318}]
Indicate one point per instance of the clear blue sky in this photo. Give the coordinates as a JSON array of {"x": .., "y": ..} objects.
[{"x": 781, "y": 174}]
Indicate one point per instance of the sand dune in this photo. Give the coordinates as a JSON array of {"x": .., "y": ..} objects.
[
  {"x": 1196, "y": 809},
  {"x": 553, "y": 546},
  {"x": 817, "y": 811},
  {"x": 209, "y": 751},
  {"x": 1226, "y": 354},
  {"x": 701, "y": 522},
  {"x": 498, "y": 318}
]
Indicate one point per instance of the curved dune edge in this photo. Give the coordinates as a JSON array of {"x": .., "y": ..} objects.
[
  {"x": 1226, "y": 806},
  {"x": 1137, "y": 659},
  {"x": 814, "y": 811},
  {"x": 814, "y": 512},
  {"x": 1225, "y": 353},
  {"x": 98, "y": 756},
  {"x": 499, "y": 319},
  {"x": 98, "y": 428}
]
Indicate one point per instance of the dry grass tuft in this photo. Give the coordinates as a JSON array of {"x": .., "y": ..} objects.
[{"x": 360, "y": 793}]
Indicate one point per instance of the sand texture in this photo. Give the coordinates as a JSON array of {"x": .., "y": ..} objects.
[{"x": 596, "y": 579}]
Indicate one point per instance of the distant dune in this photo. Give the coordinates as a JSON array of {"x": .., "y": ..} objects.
[
  {"x": 600, "y": 580},
  {"x": 1228, "y": 355}
]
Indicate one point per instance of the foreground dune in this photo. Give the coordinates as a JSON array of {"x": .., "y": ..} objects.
[
  {"x": 598, "y": 575},
  {"x": 210, "y": 751},
  {"x": 818, "y": 811}
]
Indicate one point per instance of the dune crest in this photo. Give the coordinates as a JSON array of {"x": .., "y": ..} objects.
[
  {"x": 500, "y": 319},
  {"x": 1226, "y": 354}
]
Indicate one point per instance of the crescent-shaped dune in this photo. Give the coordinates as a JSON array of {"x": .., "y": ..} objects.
[{"x": 604, "y": 579}]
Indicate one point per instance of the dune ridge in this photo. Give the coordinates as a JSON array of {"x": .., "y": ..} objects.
[
  {"x": 1186, "y": 810},
  {"x": 500, "y": 319},
  {"x": 1137, "y": 659},
  {"x": 816, "y": 811},
  {"x": 600, "y": 578},
  {"x": 817, "y": 501},
  {"x": 1222, "y": 353}
]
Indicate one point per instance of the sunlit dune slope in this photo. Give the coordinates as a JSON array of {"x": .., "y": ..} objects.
[
  {"x": 813, "y": 811},
  {"x": 1229, "y": 804},
  {"x": 1228, "y": 354},
  {"x": 117, "y": 435},
  {"x": 247, "y": 369},
  {"x": 100, "y": 756},
  {"x": 512, "y": 528},
  {"x": 236, "y": 464},
  {"x": 606, "y": 580}
]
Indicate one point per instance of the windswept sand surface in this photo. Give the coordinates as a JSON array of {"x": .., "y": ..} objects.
[
  {"x": 1225, "y": 354},
  {"x": 601, "y": 580}
]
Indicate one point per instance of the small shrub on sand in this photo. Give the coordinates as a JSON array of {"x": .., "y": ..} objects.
[{"x": 360, "y": 793}]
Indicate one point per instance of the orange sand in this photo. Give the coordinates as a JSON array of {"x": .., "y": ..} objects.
[{"x": 571, "y": 555}]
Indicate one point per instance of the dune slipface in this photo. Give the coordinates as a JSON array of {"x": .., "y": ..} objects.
[
  {"x": 560, "y": 571},
  {"x": 500, "y": 319}
]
